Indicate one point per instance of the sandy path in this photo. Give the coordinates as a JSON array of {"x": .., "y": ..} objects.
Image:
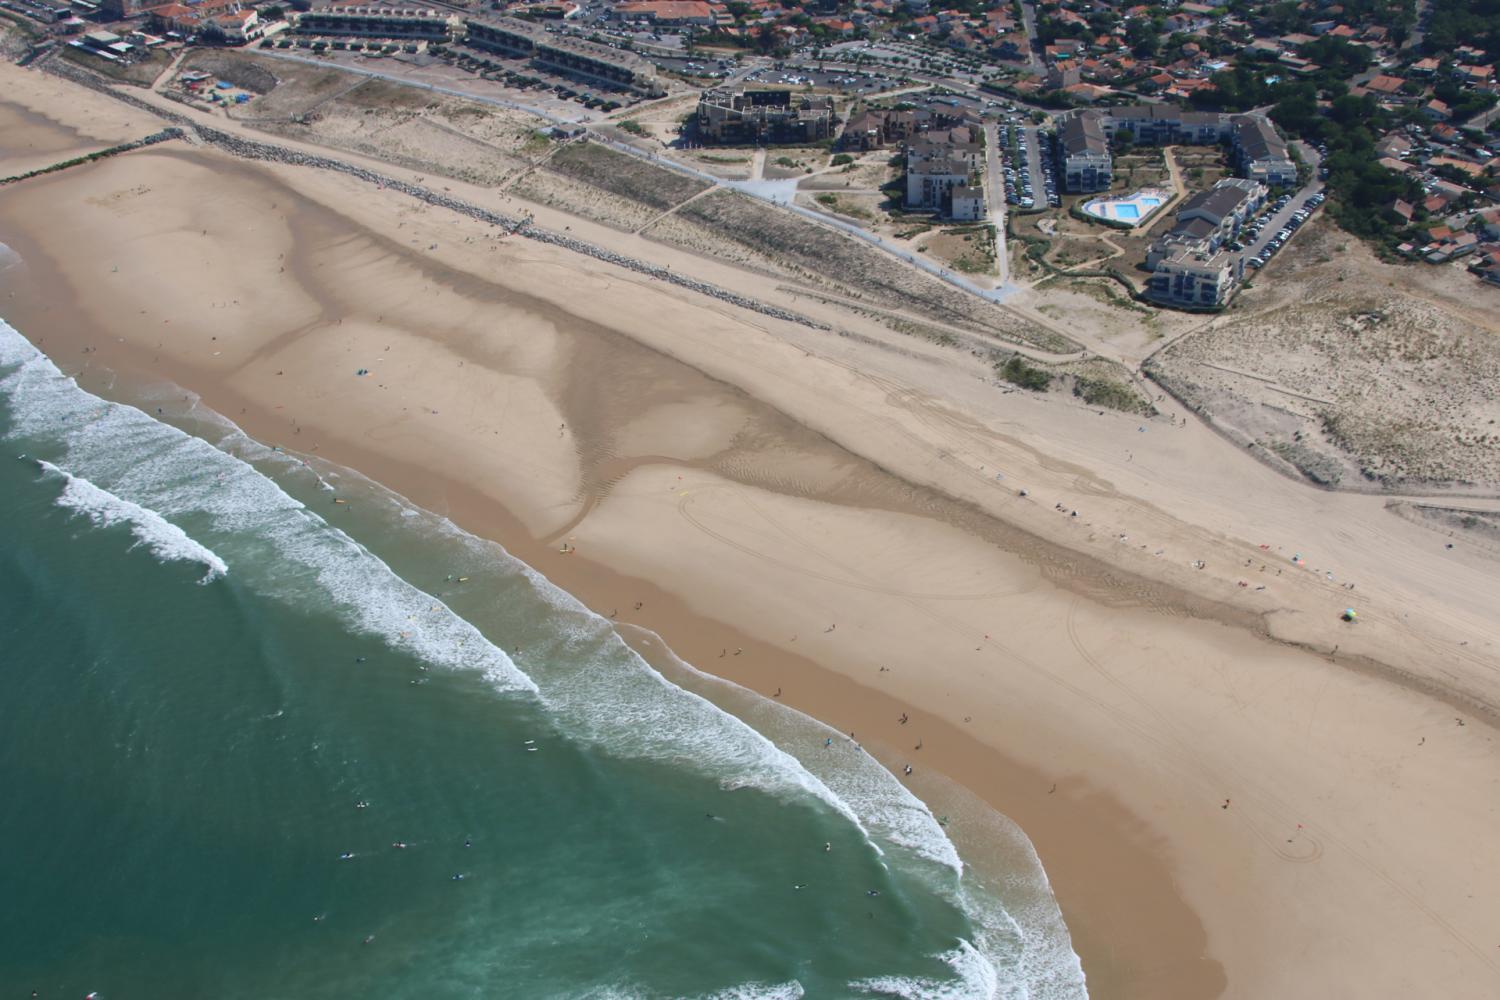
[{"x": 1076, "y": 665}]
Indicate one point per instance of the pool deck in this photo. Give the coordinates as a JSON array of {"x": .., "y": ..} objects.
[{"x": 1145, "y": 203}]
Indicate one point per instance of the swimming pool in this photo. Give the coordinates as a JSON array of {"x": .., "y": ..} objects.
[{"x": 1131, "y": 208}]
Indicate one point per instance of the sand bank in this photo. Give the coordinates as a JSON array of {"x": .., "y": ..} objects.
[{"x": 838, "y": 512}]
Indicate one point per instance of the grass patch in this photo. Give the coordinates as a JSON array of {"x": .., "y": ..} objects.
[
  {"x": 1108, "y": 393},
  {"x": 624, "y": 175}
]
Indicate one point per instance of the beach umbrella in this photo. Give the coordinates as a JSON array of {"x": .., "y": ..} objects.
[{"x": 1349, "y": 615}]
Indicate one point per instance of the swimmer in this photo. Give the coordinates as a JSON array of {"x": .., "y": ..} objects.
[
  {"x": 468, "y": 842},
  {"x": 827, "y": 846},
  {"x": 346, "y": 855},
  {"x": 872, "y": 892},
  {"x": 399, "y": 845},
  {"x": 458, "y": 876}
]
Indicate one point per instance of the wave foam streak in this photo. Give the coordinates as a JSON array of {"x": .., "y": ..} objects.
[
  {"x": 168, "y": 477},
  {"x": 161, "y": 537}
]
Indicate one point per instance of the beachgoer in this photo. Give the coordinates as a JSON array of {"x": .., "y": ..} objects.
[{"x": 908, "y": 769}]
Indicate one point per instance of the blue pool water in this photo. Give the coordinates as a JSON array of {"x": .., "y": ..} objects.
[{"x": 1127, "y": 211}]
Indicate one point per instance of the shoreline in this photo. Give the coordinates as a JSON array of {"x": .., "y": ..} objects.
[
  {"x": 1061, "y": 825},
  {"x": 1097, "y": 764}
]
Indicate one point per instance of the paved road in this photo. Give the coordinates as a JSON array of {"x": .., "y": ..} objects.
[
  {"x": 994, "y": 193},
  {"x": 1033, "y": 47}
]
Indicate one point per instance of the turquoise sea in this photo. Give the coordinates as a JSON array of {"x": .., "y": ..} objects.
[{"x": 255, "y": 745}]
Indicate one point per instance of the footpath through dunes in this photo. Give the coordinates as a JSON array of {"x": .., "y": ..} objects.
[
  {"x": 1121, "y": 780},
  {"x": 445, "y": 135},
  {"x": 1357, "y": 375}
]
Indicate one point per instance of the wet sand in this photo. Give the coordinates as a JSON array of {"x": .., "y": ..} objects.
[{"x": 538, "y": 399}]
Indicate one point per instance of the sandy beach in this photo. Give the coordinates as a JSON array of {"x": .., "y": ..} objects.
[{"x": 1234, "y": 792}]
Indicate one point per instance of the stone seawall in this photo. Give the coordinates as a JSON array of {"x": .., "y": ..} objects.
[{"x": 124, "y": 147}]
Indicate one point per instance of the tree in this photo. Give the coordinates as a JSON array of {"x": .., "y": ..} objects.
[{"x": 1143, "y": 39}]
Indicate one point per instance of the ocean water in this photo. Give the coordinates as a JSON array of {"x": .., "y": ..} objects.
[{"x": 254, "y": 743}]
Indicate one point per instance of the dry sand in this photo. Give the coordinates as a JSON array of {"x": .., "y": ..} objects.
[{"x": 1076, "y": 672}]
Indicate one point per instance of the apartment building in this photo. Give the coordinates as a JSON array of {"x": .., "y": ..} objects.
[
  {"x": 1260, "y": 153},
  {"x": 930, "y": 183},
  {"x": 562, "y": 54},
  {"x": 757, "y": 116},
  {"x": 1196, "y": 278},
  {"x": 1083, "y": 154},
  {"x": 413, "y": 23},
  {"x": 1165, "y": 124}
]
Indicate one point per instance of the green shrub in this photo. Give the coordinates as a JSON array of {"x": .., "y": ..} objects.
[
  {"x": 1018, "y": 372},
  {"x": 841, "y": 159},
  {"x": 1107, "y": 393}
]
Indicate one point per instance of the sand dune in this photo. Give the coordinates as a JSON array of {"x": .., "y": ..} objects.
[{"x": 751, "y": 483}]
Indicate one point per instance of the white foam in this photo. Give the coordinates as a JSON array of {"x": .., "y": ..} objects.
[
  {"x": 599, "y": 689},
  {"x": 976, "y": 980},
  {"x": 884, "y": 804},
  {"x": 606, "y": 694},
  {"x": 281, "y": 548},
  {"x": 760, "y": 991},
  {"x": 161, "y": 537}
]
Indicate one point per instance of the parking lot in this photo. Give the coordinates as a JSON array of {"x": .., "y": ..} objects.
[
  {"x": 1265, "y": 236},
  {"x": 1029, "y": 175},
  {"x": 850, "y": 81}
]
